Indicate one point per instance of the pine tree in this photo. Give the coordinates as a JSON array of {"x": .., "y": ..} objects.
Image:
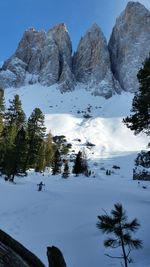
[
  {"x": 139, "y": 121},
  {"x": 78, "y": 164},
  {"x": 117, "y": 224},
  {"x": 2, "y": 111},
  {"x": 20, "y": 152},
  {"x": 36, "y": 132},
  {"x": 2, "y": 117},
  {"x": 15, "y": 114},
  {"x": 12, "y": 147},
  {"x": 84, "y": 163},
  {"x": 66, "y": 170},
  {"x": 56, "y": 163},
  {"x": 40, "y": 164},
  {"x": 50, "y": 149},
  {"x": 9, "y": 149},
  {"x": 15, "y": 152}
]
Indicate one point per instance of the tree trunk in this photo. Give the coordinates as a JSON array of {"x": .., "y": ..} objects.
[{"x": 123, "y": 247}]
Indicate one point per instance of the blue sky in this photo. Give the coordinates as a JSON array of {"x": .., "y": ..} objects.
[{"x": 19, "y": 15}]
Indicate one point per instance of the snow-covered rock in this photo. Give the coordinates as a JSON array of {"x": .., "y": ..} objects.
[
  {"x": 130, "y": 44},
  {"x": 142, "y": 169},
  {"x": 15, "y": 71},
  {"x": 91, "y": 63},
  {"x": 7, "y": 78}
]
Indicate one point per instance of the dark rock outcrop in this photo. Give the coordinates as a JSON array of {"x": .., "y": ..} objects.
[
  {"x": 13, "y": 254},
  {"x": 55, "y": 257}
]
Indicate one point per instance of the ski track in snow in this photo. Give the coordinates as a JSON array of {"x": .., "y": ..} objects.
[{"x": 65, "y": 213}]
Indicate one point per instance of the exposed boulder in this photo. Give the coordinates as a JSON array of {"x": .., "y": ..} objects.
[
  {"x": 13, "y": 254},
  {"x": 55, "y": 257},
  {"x": 129, "y": 44},
  {"x": 91, "y": 63}
]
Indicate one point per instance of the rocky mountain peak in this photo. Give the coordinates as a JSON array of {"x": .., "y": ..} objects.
[
  {"x": 129, "y": 44},
  {"x": 103, "y": 69},
  {"x": 91, "y": 62},
  {"x": 95, "y": 32},
  {"x": 133, "y": 6},
  {"x": 44, "y": 56},
  {"x": 59, "y": 28},
  {"x": 60, "y": 35}
]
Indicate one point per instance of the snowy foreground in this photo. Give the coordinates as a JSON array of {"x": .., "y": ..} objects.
[{"x": 65, "y": 213}]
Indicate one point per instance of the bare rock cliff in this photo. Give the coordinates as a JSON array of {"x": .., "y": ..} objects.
[{"x": 129, "y": 44}]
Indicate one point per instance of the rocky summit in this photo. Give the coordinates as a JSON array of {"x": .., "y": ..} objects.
[
  {"x": 40, "y": 57},
  {"x": 129, "y": 44},
  {"x": 46, "y": 57},
  {"x": 91, "y": 63}
]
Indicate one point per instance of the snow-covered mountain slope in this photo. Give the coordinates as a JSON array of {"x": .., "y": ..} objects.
[
  {"x": 65, "y": 213},
  {"x": 79, "y": 115}
]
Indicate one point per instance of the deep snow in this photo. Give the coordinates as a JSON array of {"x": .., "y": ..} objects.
[{"x": 65, "y": 213}]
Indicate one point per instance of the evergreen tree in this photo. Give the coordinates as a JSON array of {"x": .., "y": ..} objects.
[
  {"x": 36, "y": 132},
  {"x": 139, "y": 121},
  {"x": 50, "y": 149},
  {"x": 117, "y": 224},
  {"x": 40, "y": 165},
  {"x": 84, "y": 163},
  {"x": 21, "y": 149},
  {"x": 66, "y": 170},
  {"x": 2, "y": 117},
  {"x": 2, "y": 111},
  {"x": 79, "y": 164},
  {"x": 15, "y": 114},
  {"x": 16, "y": 152},
  {"x": 56, "y": 163},
  {"x": 62, "y": 144},
  {"x": 12, "y": 145},
  {"x": 9, "y": 149}
]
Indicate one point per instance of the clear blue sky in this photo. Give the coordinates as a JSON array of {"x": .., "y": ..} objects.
[{"x": 18, "y": 15}]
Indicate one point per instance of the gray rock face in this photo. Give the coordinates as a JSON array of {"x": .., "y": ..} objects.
[
  {"x": 91, "y": 63},
  {"x": 45, "y": 56},
  {"x": 130, "y": 44},
  {"x": 61, "y": 37}
]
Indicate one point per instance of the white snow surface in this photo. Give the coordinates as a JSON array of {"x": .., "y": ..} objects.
[{"x": 65, "y": 213}]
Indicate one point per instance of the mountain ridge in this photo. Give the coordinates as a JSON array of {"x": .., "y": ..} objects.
[{"x": 104, "y": 69}]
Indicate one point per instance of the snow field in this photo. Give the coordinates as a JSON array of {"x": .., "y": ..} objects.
[{"x": 65, "y": 213}]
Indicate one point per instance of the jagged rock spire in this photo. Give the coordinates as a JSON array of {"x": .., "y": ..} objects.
[
  {"x": 129, "y": 44},
  {"x": 45, "y": 56},
  {"x": 91, "y": 63}
]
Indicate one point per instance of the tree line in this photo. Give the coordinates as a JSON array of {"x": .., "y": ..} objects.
[{"x": 24, "y": 143}]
